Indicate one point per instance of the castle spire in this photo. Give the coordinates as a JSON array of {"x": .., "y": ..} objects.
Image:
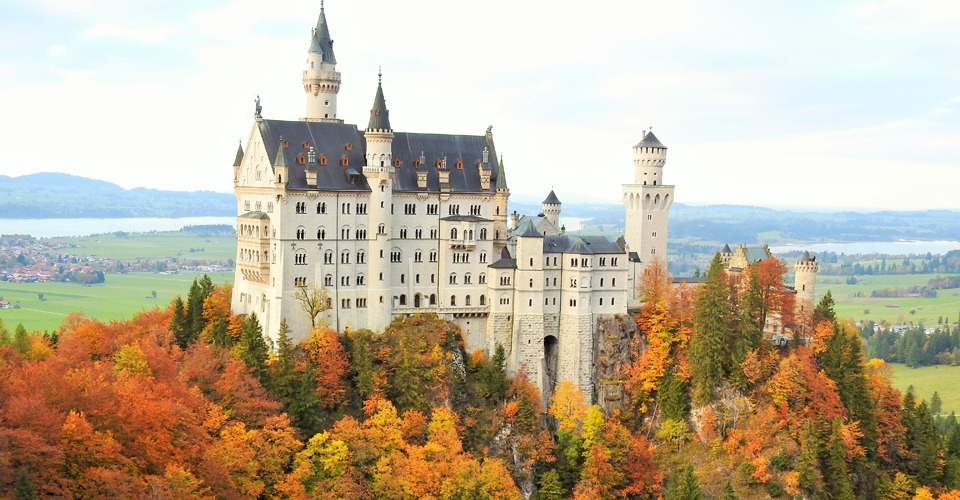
[
  {"x": 321, "y": 80},
  {"x": 501, "y": 176},
  {"x": 239, "y": 158},
  {"x": 379, "y": 115},
  {"x": 321, "y": 42}
]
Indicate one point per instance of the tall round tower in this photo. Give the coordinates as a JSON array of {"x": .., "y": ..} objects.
[
  {"x": 321, "y": 80},
  {"x": 647, "y": 203},
  {"x": 805, "y": 283},
  {"x": 379, "y": 172},
  {"x": 551, "y": 209}
]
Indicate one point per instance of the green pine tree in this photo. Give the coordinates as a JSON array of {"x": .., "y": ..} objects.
[
  {"x": 683, "y": 484},
  {"x": 283, "y": 372},
  {"x": 253, "y": 349},
  {"x": 21, "y": 339},
  {"x": 824, "y": 309},
  {"x": 199, "y": 291},
  {"x": 179, "y": 325},
  {"x": 709, "y": 356},
  {"x": 835, "y": 475},
  {"x": 673, "y": 397},
  {"x": 728, "y": 491},
  {"x": 550, "y": 486},
  {"x": 24, "y": 489}
]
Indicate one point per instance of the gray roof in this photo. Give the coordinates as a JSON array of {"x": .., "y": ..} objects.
[
  {"x": 501, "y": 176},
  {"x": 467, "y": 218},
  {"x": 580, "y": 244},
  {"x": 281, "y": 159},
  {"x": 726, "y": 248},
  {"x": 551, "y": 199},
  {"x": 529, "y": 227},
  {"x": 321, "y": 41},
  {"x": 338, "y": 141},
  {"x": 505, "y": 261},
  {"x": 807, "y": 257},
  {"x": 379, "y": 116},
  {"x": 255, "y": 215},
  {"x": 650, "y": 141},
  {"x": 239, "y": 159}
]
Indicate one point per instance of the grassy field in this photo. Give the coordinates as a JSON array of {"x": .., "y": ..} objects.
[
  {"x": 119, "y": 297},
  {"x": 854, "y": 301},
  {"x": 157, "y": 245},
  {"x": 927, "y": 379}
]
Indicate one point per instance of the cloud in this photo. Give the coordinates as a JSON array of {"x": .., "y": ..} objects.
[
  {"x": 56, "y": 50},
  {"x": 154, "y": 35}
]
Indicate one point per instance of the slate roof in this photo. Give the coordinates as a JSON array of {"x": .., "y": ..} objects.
[
  {"x": 726, "y": 248},
  {"x": 239, "y": 159},
  {"x": 505, "y": 261},
  {"x": 379, "y": 115},
  {"x": 756, "y": 254},
  {"x": 650, "y": 141},
  {"x": 255, "y": 215},
  {"x": 551, "y": 199},
  {"x": 465, "y": 218},
  {"x": 337, "y": 141},
  {"x": 529, "y": 227},
  {"x": 580, "y": 244}
]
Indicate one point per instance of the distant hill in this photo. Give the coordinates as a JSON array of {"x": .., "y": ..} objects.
[{"x": 54, "y": 195}]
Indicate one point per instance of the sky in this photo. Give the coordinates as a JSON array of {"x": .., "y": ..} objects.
[{"x": 825, "y": 105}]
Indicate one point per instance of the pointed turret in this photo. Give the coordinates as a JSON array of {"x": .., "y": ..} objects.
[
  {"x": 239, "y": 157},
  {"x": 379, "y": 115},
  {"x": 501, "y": 176},
  {"x": 321, "y": 42},
  {"x": 551, "y": 209},
  {"x": 321, "y": 80},
  {"x": 280, "y": 169}
]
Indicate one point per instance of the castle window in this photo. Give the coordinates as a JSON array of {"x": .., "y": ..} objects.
[
  {"x": 530, "y": 302},
  {"x": 613, "y": 301},
  {"x": 531, "y": 261},
  {"x": 433, "y": 255},
  {"x": 613, "y": 282},
  {"x": 344, "y": 281},
  {"x": 649, "y": 216},
  {"x": 573, "y": 282},
  {"x": 654, "y": 234},
  {"x": 573, "y": 262},
  {"x": 301, "y": 159},
  {"x": 301, "y": 232},
  {"x": 418, "y": 233},
  {"x": 396, "y": 162},
  {"x": 573, "y": 302},
  {"x": 418, "y": 256},
  {"x": 321, "y": 208},
  {"x": 459, "y": 164},
  {"x": 323, "y": 160},
  {"x": 403, "y": 300},
  {"x": 467, "y": 279},
  {"x": 653, "y": 251},
  {"x": 328, "y": 257},
  {"x": 483, "y": 300},
  {"x": 433, "y": 278},
  {"x": 345, "y": 257},
  {"x": 453, "y": 278},
  {"x": 453, "y": 233},
  {"x": 483, "y": 257},
  {"x": 483, "y": 233},
  {"x": 531, "y": 282},
  {"x": 433, "y": 299},
  {"x": 403, "y": 278},
  {"x": 466, "y": 301},
  {"x": 482, "y": 279},
  {"x": 613, "y": 262},
  {"x": 416, "y": 279},
  {"x": 345, "y": 161},
  {"x": 328, "y": 280},
  {"x": 361, "y": 257},
  {"x": 453, "y": 300},
  {"x": 395, "y": 256},
  {"x": 601, "y": 281},
  {"x": 601, "y": 301},
  {"x": 403, "y": 233},
  {"x": 306, "y": 144},
  {"x": 381, "y": 229}
]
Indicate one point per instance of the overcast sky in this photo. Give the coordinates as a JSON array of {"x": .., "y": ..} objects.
[{"x": 815, "y": 104}]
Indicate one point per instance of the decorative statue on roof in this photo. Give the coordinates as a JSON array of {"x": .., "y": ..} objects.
[{"x": 258, "y": 107}]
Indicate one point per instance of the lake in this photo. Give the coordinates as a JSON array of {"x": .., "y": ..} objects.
[
  {"x": 49, "y": 228},
  {"x": 865, "y": 247}
]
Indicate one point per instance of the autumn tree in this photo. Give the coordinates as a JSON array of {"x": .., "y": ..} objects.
[
  {"x": 329, "y": 359},
  {"x": 313, "y": 300}
]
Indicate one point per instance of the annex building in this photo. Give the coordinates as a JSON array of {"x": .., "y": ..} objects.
[{"x": 395, "y": 223}]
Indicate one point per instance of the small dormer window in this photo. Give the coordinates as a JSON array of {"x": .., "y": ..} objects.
[
  {"x": 306, "y": 145},
  {"x": 416, "y": 163},
  {"x": 284, "y": 143},
  {"x": 301, "y": 159},
  {"x": 345, "y": 161},
  {"x": 439, "y": 163},
  {"x": 459, "y": 164},
  {"x": 396, "y": 162},
  {"x": 349, "y": 147},
  {"x": 323, "y": 159}
]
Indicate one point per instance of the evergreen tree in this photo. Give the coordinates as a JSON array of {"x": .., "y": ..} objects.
[
  {"x": 673, "y": 397},
  {"x": 24, "y": 489},
  {"x": 305, "y": 408},
  {"x": 806, "y": 466},
  {"x": 199, "y": 291},
  {"x": 750, "y": 320},
  {"x": 4, "y": 334},
  {"x": 283, "y": 373},
  {"x": 835, "y": 476},
  {"x": 360, "y": 345},
  {"x": 708, "y": 349},
  {"x": 824, "y": 309},
  {"x": 728, "y": 491},
  {"x": 179, "y": 324},
  {"x": 550, "y": 486},
  {"x": 683, "y": 484},
  {"x": 21, "y": 339},
  {"x": 253, "y": 349}
]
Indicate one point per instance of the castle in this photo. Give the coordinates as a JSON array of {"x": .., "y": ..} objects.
[{"x": 396, "y": 223}]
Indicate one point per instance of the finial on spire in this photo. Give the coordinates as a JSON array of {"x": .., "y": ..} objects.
[
  {"x": 379, "y": 74},
  {"x": 321, "y": 4}
]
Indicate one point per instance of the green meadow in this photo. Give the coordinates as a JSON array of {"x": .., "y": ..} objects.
[
  {"x": 120, "y": 297},
  {"x": 854, "y": 301},
  {"x": 156, "y": 245},
  {"x": 927, "y": 379}
]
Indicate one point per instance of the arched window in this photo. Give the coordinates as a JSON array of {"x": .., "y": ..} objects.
[
  {"x": 453, "y": 300},
  {"x": 466, "y": 301},
  {"x": 483, "y": 300},
  {"x": 483, "y": 233},
  {"x": 323, "y": 160},
  {"x": 433, "y": 299},
  {"x": 453, "y": 233}
]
